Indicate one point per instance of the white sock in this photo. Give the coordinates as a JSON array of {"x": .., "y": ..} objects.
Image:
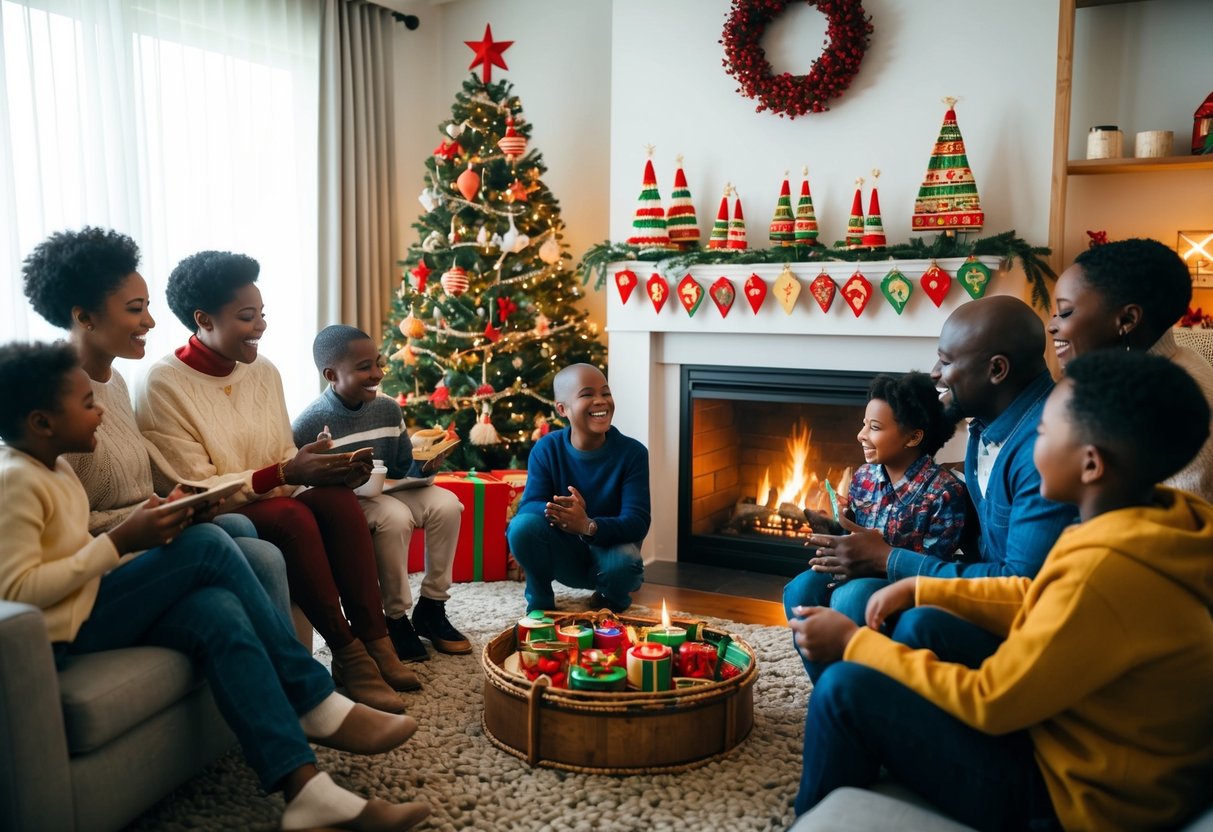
[
  {"x": 324, "y": 719},
  {"x": 321, "y": 802}
]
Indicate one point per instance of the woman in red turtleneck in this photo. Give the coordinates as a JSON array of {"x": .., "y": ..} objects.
[{"x": 214, "y": 409}]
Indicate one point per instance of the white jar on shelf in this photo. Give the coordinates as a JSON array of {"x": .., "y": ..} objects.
[{"x": 1105, "y": 141}]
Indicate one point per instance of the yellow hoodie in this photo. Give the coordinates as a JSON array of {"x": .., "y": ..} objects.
[{"x": 1108, "y": 662}]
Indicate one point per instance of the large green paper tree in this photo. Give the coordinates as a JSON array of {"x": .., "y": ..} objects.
[{"x": 486, "y": 312}]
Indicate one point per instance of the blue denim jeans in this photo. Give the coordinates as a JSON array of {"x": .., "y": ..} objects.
[
  {"x": 860, "y": 720},
  {"x": 198, "y": 595},
  {"x": 548, "y": 554},
  {"x": 811, "y": 589},
  {"x": 264, "y": 557}
]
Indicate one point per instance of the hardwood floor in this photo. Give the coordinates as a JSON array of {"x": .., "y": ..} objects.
[{"x": 732, "y": 607}]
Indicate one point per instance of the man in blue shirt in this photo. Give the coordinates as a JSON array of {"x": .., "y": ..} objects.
[
  {"x": 585, "y": 510},
  {"x": 991, "y": 369}
]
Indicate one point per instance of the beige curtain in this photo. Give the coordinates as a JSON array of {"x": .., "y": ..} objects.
[{"x": 359, "y": 231}]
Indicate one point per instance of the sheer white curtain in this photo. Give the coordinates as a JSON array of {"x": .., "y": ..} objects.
[{"x": 187, "y": 124}]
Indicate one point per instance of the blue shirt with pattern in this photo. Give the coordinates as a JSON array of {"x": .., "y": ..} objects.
[{"x": 923, "y": 511}]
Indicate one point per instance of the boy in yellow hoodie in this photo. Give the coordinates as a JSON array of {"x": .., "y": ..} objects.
[{"x": 1079, "y": 699}]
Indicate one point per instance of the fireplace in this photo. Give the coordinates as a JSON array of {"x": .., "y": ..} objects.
[{"x": 757, "y": 446}]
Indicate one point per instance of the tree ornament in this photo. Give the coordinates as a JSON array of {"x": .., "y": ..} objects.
[
  {"x": 690, "y": 294},
  {"x": 480, "y": 312},
  {"x": 719, "y": 237},
  {"x": 492, "y": 333},
  {"x": 402, "y": 399},
  {"x": 805, "y": 227},
  {"x": 455, "y": 129},
  {"x": 542, "y": 427},
  {"x": 468, "y": 183},
  {"x": 659, "y": 291},
  {"x": 447, "y": 151},
  {"x": 787, "y": 289},
  {"x": 543, "y": 326},
  {"x": 505, "y": 308},
  {"x": 855, "y": 222},
  {"x": 516, "y": 363},
  {"x": 648, "y": 223},
  {"x": 625, "y": 282},
  {"x": 857, "y": 291},
  {"x": 737, "y": 239},
  {"x": 512, "y": 241},
  {"x": 483, "y": 432},
  {"x": 411, "y": 327},
  {"x": 783, "y": 225},
  {"x": 517, "y": 192},
  {"x": 948, "y": 196},
  {"x": 755, "y": 291},
  {"x": 723, "y": 293},
  {"x": 454, "y": 281},
  {"x": 681, "y": 222},
  {"x": 441, "y": 397},
  {"x": 823, "y": 289},
  {"x": 421, "y": 274},
  {"x": 847, "y": 27},
  {"x": 873, "y": 227},
  {"x": 482, "y": 236},
  {"x": 549, "y": 252},
  {"x": 488, "y": 53},
  {"x": 896, "y": 288},
  {"x": 974, "y": 276},
  {"x": 936, "y": 283},
  {"x": 432, "y": 242},
  {"x": 485, "y": 389},
  {"x": 511, "y": 144},
  {"x": 426, "y": 198}
]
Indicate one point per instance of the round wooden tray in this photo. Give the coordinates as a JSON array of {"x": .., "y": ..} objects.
[{"x": 632, "y": 732}]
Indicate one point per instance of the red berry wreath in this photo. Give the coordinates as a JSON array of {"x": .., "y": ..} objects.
[{"x": 847, "y": 31}]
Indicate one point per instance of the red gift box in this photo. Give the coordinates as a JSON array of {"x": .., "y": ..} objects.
[{"x": 480, "y": 555}]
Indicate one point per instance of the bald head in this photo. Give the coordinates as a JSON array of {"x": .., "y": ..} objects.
[
  {"x": 997, "y": 325},
  {"x": 574, "y": 377}
]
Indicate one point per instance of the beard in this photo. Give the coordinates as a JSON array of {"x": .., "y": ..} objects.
[{"x": 954, "y": 412}]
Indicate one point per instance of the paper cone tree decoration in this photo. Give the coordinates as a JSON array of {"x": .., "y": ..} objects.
[
  {"x": 936, "y": 283},
  {"x": 690, "y": 294},
  {"x": 720, "y": 229},
  {"x": 648, "y": 223},
  {"x": 873, "y": 228},
  {"x": 755, "y": 291},
  {"x": 948, "y": 196},
  {"x": 855, "y": 223},
  {"x": 805, "y": 227},
  {"x": 681, "y": 221},
  {"x": 658, "y": 290},
  {"x": 723, "y": 294},
  {"x": 823, "y": 289},
  {"x": 857, "y": 291},
  {"x": 625, "y": 282},
  {"x": 783, "y": 224},
  {"x": 974, "y": 276},
  {"x": 896, "y": 288},
  {"x": 737, "y": 240},
  {"x": 787, "y": 289}
]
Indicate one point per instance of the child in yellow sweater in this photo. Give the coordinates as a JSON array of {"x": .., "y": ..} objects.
[{"x": 1078, "y": 699}]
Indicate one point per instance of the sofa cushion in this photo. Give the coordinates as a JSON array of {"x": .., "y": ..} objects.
[
  {"x": 105, "y": 694},
  {"x": 861, "y": 810}
]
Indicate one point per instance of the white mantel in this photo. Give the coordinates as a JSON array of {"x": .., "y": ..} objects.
[{"x": 647, "y": 349}]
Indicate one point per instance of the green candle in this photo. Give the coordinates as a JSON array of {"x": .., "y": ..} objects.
[
  {"x": 611, "y": 678},
  {"x": 669, "y": 636}
]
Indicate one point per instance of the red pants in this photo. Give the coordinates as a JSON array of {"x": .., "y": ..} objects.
[{"x": 330, "y": 563}]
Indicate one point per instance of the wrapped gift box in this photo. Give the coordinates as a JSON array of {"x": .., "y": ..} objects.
[
  {"x": 516, "y": 479},
  {"x": 480, "y": 555}
]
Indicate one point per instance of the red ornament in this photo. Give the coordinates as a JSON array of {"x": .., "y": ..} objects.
[
  {"x": 857, "y": 291},
  {"x": 755, "y": 291},
  {"x": 441, "y": 397},
  {"x": 492, "y": 333},
  {"x": 454, "y": 281},
  {"x": 485, "y": 389},
  {"x": 659, "y": 291},
  {"x": 823, "y": 288},
  {"x": 1098, "y": 238},
  {"x": 690, "y": 294},
  {"x": 625, "y": 282},
  {"x": 511, "y": 144},
  {"x": 468, "y": 183},
  {"x": 505, "y": 308},
  {"x": 402, "y": 399},
  {"x": 936, "y": 283},
  {"x": 488, "y": 53},
  {"x": 723, "y": 294},
  {"x": 420, "y": 273},
  {"x": 447, "y": 151}
]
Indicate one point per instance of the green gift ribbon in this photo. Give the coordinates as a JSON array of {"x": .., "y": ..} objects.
[{"x": 478, "y": 527}]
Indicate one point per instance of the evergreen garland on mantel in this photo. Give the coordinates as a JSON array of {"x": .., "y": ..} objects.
[{"x": 1006, "y": 246}]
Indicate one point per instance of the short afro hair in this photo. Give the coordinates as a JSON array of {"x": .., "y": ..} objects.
[
  {"x": 1142, "y": 272},
  {"x": 208, "y": 281},
  {"x": 77, "y": 268},
  {"x": 332, "y": 342},
  {"x": 31, "y": 376},
  {"x": 916, "y": 406},
  {"x": 1116, "y": 404}
]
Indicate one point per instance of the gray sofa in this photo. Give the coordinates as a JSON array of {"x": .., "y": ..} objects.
[{"x": 94, "y": 746}]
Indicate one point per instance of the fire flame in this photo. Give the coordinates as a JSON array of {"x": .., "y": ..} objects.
[
  {"x": 799, "y": 486},
  {"x": 665, "y": 616}
]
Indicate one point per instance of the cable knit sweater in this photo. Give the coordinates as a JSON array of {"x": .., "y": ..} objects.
[
  {"x": 1197, "y": 477},
  {"x": 211, "y": 427},
  {"x": 48, "y": 558}
]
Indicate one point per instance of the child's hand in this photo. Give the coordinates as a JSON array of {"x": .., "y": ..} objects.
[
  {"x": 155, "y": 523},
  {"x": 568, "y": 513},
  {"x": 310, "y": 467},
  {"x": 432, "y": 466},
  {"x": 209, "y": 510},
  {"x": 821, "y": 634},
  {"x": 890, "y": 600}
]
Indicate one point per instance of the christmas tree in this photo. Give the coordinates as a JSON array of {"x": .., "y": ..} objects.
[{"x": 475, "y": 351}]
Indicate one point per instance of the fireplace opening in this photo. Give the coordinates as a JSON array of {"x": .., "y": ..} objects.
[{"x": 757, "y": 447}]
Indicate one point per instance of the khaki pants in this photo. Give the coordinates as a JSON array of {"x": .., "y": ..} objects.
[{"x": 392, "y": 518}]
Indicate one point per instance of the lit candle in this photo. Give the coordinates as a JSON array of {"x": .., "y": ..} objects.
[
  {"x": 650, "y": 667},
  {"x": 666, "y": 634}
]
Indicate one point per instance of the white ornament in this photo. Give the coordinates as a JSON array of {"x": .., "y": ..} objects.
[
  {"x": 454, "y": 130},
  {"x": 426, "y": 198},
  {"x": 482, "y": 236},
  {"x": 432, "y": 242},
  {"x": 510, "y": 238},
  {"x": 549, "y": 252},
  {"x": 496, "y": 242},
  {"x": 521, "y": 242}
]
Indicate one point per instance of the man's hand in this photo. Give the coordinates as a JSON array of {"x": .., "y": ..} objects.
[
  {"x": 861, "y": 554},
  {"x": 822, "y": 523},
  {"x": 432, "y": 465},
  {"x": 821, "y": 634},
  {"x": 890, "y": 600},
  {"x": 568, "y": 513}
]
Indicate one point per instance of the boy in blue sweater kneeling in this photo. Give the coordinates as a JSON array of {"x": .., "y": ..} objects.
[
  {"x": 355, "y": 416},
  {"x": 585, "y": 510}
]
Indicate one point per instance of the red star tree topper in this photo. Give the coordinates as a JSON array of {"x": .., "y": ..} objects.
[{"x": 488, "y": 53}]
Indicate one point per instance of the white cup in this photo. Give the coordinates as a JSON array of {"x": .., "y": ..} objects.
[
  {"x": 1153, "y": 144},
  {"x": 374, "y": 486}
]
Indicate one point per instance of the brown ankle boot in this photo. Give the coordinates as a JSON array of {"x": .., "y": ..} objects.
[
  {"x": 353, "y": 667},
  {"x": 367, "y": 731},
  {"x": 383, "y": 653}
]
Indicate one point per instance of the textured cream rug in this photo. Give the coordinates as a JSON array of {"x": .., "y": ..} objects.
[{"x": 470, "y": 784}]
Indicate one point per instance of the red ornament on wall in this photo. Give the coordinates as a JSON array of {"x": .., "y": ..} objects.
[
  {"x": 659, "y": 291},
  {"x": 625, "y": 282},
  {"x": 755, "y": 291},
  {"x": 690, "y": 294},
  {"x": 936, "y": 283},
  {"x": 857, "y": 291},
  {"x": 723, "y": 294},
  {"x": 823, "y": 289}
]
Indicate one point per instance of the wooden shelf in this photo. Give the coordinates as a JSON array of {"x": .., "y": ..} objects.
[{"x": 1086, "y": 167}]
